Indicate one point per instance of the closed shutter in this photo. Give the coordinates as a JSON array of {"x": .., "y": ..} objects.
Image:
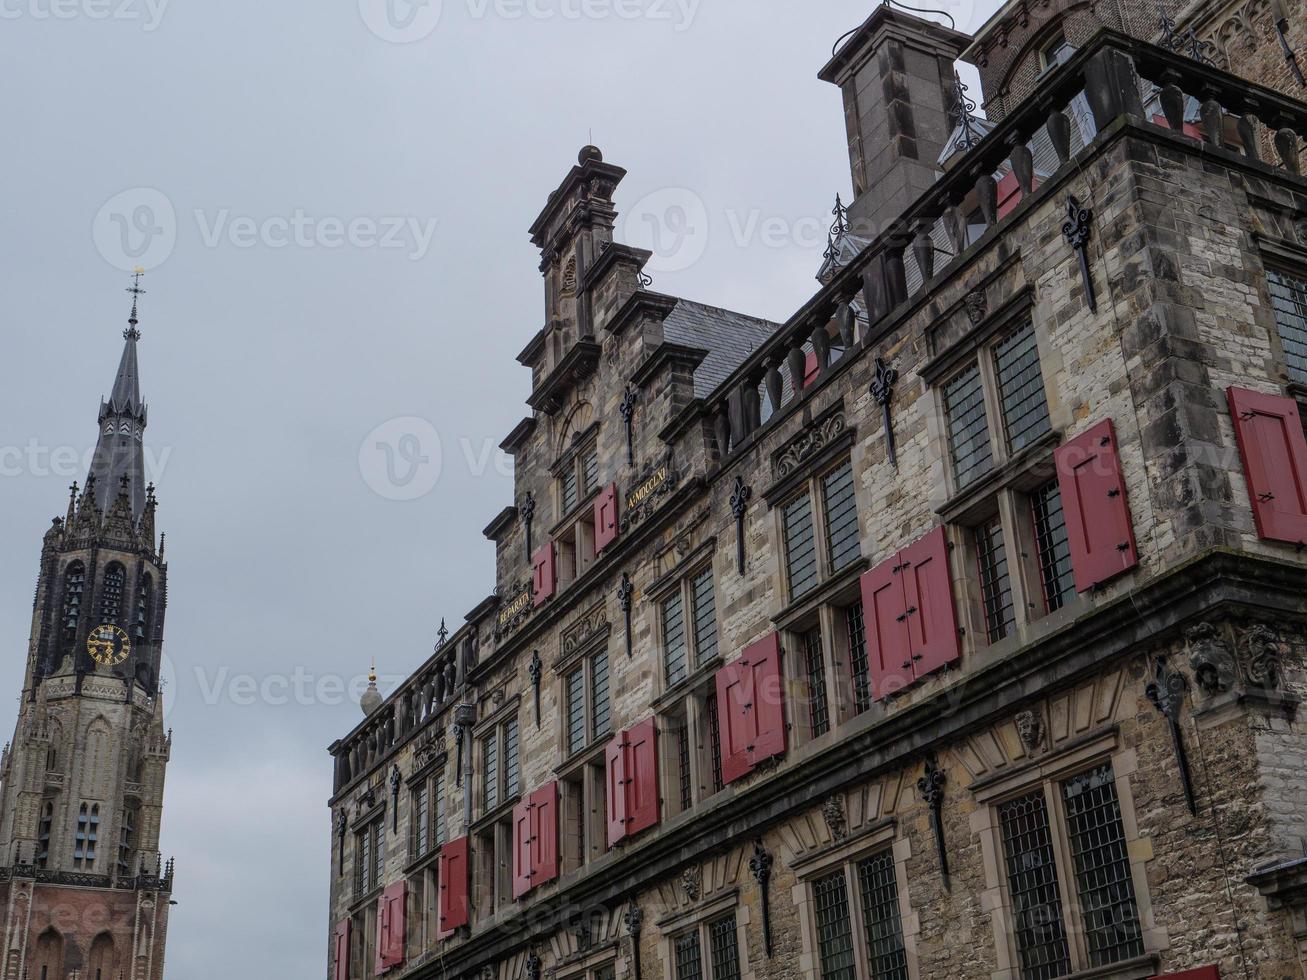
[
  {"x": 521, "y": 849},
  {"x": 1099, "y": 529},
  {"x": 764, "y": 659},
  {"x": 736, "y": 719},
  {"x": 453, "y": 906},
  {"x": 391, "y": 946},
  {"x": 885, "y": 619},
  {"x": 933, "y": 636},
  {"x": 340, "y": 951},
  {"x": 1274, "y": 449},
  {"x": 544, "y": 834},
  {"x": 606, "y": 518},
  {"x": 543, "y": 573},
  {"x": 615, "y": 771},
  {"x": 642, "y": 781}
]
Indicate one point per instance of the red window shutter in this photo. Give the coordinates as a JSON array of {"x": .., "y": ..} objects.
[
  {"x": 642, "y": 777},
  {"x": 544, "y": 834},
  {"x": 932, "y": 619},
  {"x": 521, "y": 849},
  {"x": 390, "y": 946},
  {"x": 1202, "y": 973},
  {"x": 810, "y": 369},
  {"x": 1098, "y": 525},
  {"x": 543, "y": 573},
  {"x": 770, "y": 736},
  {"x": 885, "y": 621},
  {"x": 453, "y": 906},
  {"x": 737, "y": 721},
  {"x": 340, "y": 951},
  {"x": 606, "y": 518},
  {"x": 1274, "y": 450},
  {"x": 616, "y": 772}
]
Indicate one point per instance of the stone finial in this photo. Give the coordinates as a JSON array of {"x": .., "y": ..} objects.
[{"x": 371, "y": 699}]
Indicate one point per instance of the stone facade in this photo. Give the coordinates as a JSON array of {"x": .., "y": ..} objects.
[
  {"x": 1160, "y": 699},
  {"x": 82, "y": 887}
]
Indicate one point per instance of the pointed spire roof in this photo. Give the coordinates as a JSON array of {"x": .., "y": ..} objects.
[{"x": 119, "y": 463}]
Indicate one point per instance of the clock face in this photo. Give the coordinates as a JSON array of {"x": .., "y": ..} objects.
[{"x": 108, "y": 645}]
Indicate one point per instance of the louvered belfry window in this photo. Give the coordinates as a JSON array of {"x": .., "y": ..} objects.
[{"x": 111, "y": 594}]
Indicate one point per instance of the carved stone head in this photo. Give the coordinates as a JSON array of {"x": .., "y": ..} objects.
[
  {"x": 1030, "y": 729},
  {"x": 1265, "y": 652},
  {"x": 1210, "y": 657},
  {"x": 836, "y": 822}
]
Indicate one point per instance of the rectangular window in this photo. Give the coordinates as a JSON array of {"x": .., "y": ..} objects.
[
  {"x": 841, "y": 517},
  {"x": 714, "y": 743},
  {"x": 683, "y": 768},
  {"x": 995, "y": 582},
  {"x": 800, "y": 548},
  {"x": 674, "y": 651},
  {"x": 600, "y": 706},
  {"x": 725, "y": 948},
  {"x": 512, "y": 771},
  {"x": 860, "y": 669},
  {"x": 1033, "y": 884},
  {"x": 576, "y": 710},
  {"x": 1289, "y": 297},
  {"x": 705, "y": 617},
  {"x": 569, "y": 491},
  {"x": 1021, "y": 388},
  {"x": 689, "y": 957},
  {"x": 590, "y": 470},
  {"x": 439, "y": 794},
  {"x": 834, "y": 927},
  {"x": 881, "y": 927},
  {"x": 1053, "y": 549},
  {"x": 370, "y": 858},
  {"x": 422, "y": 819},
  {"x": 818, "y": 708},
  {"x": 968, "y": 426},
  {"x": 490, "y": 772},
  {"x": 1107, "y": 895}
]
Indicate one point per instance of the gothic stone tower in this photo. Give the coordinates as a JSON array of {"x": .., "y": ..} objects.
[{"x": 82, "y": 890}]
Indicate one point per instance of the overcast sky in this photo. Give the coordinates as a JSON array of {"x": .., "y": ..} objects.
[{"x": 332, "y": 200}]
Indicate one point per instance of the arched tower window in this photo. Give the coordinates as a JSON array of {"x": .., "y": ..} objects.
[
  {"x": 111, "y": 594},
  {"x": 103, "y": 963},
  {"x": 88, "y": 835},
  {"x": 74, "y": 584},
  {"x": 144, "y": 607},
  {"x": 43, "y": 834},
  {"x": 126, "y": 841},
  {"x": 49, "y": 956}
]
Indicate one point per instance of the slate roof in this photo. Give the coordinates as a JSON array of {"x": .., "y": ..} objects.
[{"x": 729, "y": 338}]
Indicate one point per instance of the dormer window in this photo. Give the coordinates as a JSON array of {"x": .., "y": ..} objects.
[{"x": 1057, "y": 51}]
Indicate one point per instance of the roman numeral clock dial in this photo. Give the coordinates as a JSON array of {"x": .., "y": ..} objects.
[{"x": 108, "y": 645}]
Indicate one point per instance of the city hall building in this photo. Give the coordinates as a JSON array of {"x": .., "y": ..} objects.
[{"x": 952, "y": 628}]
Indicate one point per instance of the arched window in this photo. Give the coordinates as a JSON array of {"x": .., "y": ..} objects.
[
  {"x": 88, "y": 835},
  {"x": 43, "y": 834},
  {"x": 74, "y": 583},
  {"x": 126, "y": 840},
  {"x": 50, "y": 956},
  {"x": 111, "y": 594},
  {"x": 103, "y": 963},
  {"x": 144, "y": 607}
]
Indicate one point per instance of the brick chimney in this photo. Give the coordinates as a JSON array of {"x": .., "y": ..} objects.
[{"x": 896, "y": 73}]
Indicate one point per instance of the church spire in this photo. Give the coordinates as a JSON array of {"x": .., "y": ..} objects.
[{"x": 119, "y": 462}]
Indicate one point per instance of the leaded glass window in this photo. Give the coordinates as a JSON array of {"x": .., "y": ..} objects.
[
  {"x": 1289, "y": 297},
  {"x": 1021, "y": 388},
  {"x": 968, "y": 426},
  {"x": 439, "y": 793},
  {"x": 675, "y": 657},
  {"x": 881, "y": 926},
  {"x": 800, "y": 547},
  {"x": 689, "y": 957},
  {"x": 1055, "y": 571},
  {"x": 590, "y": 470},
  {"x": 995, "y": 581},
  {"x": 422, "y": 819},
  {"x": 830, "y": 897},
  {"x": 705, "y": 616},
  {"x": 576, "y": 710},
  {"x": 599, "y": 701},
  {"x": 841, "y": 517},
  {"x": 683, "y": 767},
  {"x": 1033, "y": 886},
  {"x": 818, "y": 707},
  {"x": 715, "y": 743},
  {"x": 725, "y": 949},
  {"x": 859, "y": 666},
  {"x": 512, "y": 770},
  {"x": 490, "y": 771}
]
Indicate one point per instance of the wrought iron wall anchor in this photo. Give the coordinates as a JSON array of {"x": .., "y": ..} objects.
[
  {"x": 535, "y": 669},
  {"x": 458, "y": 754},
  {"x": 931, "y": 786},
  {"x": 625, "y": 597},
  {"x": 1167, "y": 690},
  {"x": 882, "y": 389},
  {"x": 761, "y": 864},
  {"x": 634, "y": 921},
  {"x": 533, "y": 966},
  {"x": 396, "y": 781},
  {"x": 740, "y": 498},
  {"x": 1282, "y": 31},
  {"x": 342, "y": 825},
  {"x": 527, "y": 512},
  {"x": 627, "y": 409},
  {"x": 1076, "y": 230}
]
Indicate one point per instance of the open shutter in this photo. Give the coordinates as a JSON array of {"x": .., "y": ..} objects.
[
  {"x": 543, "y": 573},
  {"x": 736, "y": 719},
  {"x": 885, "y": 622},
  {"x": 606, "y": 518},
  {"x": 390, "y": 945},
  {"x": 933, "y": 636},
  {"x": 453, "y": 906},
  {"x": 770, "y": 736},
  {"x": 642, "y": 777},
  {"x": 1274, "y": 449},
  {"x": 340, "y": 951},
  {"x": 1098, "y": 526},
  {"x": 544, "y": 834},
  {"x": 522, "y": 849},
  {"x": 616, "y": 773}
]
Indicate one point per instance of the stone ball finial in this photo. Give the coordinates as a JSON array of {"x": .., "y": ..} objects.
[
  {"x": 588, "y": 154},
  {"x": 371, "y": 699}
]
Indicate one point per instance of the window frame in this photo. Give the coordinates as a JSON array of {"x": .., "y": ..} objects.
[
  {"x": 1295, "y": 378},
  {"x": 682, "y": 587},
  {"x": 813, "y": 487},
  {"x": 584, "y": 664},
  {"x": 495, "y": 731},
  {"x": 699, "y": 921},
  {"x": 573, "y": 535}
]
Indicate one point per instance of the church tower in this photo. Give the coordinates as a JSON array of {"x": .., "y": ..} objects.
[{"x": 83, "y": 890}]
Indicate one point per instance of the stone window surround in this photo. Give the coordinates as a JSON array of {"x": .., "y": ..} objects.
[
  {"x": 699, "y": 916},
  {"x": 587, "y": 967},
  {"x": 495, "y": 725},
  {"x": 1076, "y": 757},
  {"x": 811, "y": 485},
  {"x": 583, "y": 656},
  {"x": 874, "y": 838},
  {"x": 573, "y": 457},
  {"x": 681, "y": 580},
  {"x": 1290, "y": 258}
]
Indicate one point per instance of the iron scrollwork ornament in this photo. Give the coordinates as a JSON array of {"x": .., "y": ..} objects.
[
  {"x": 634, "y": 922},
  {"x": 931, "y": 786},
  {"x": 740, "y": 498},
  {"x": 396, "y": 781},
  {"x": 1167, "y": 690},
  {"x": 533, "y": 966},
  {"x": 627, "y": 410},
  {"x": 625, "y": 599},
  {"x": 342, "y": 826},
  {"x": 761, "y": 864},
  {"x": 527, "y": 511},
  {"x": 882, "y": 389},
  {"x": 1076, "y": 230},
  {"x": 535, "y": 669}
]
